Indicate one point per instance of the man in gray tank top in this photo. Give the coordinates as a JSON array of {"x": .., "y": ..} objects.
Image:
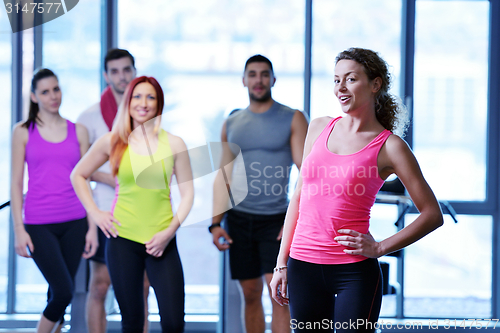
[{"x": 271, "y": 137}]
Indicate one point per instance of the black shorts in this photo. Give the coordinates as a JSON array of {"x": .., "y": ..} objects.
[
  {"x": 255, "y": 248},
  {"x": 99, "y": 255}
]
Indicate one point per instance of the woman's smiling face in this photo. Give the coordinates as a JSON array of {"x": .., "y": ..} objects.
[
  {"x": 144, "y": 103},
  {"x": 352, "y": 87}
]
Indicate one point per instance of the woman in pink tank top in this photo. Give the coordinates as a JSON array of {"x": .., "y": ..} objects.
[
  {"x": 50, "y": 223},
  {"x": 327, "y": 268}
]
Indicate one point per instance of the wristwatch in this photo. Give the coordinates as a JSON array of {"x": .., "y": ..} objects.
[{"x": 213, "y": 226}]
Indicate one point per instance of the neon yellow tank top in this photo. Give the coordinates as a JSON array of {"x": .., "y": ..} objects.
[{"x": 142, "y": 195}]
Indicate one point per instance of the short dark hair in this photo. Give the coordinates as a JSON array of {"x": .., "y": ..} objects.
[
  {"x": 259, "y": 58},
  {"x": 114, "y": 54}
]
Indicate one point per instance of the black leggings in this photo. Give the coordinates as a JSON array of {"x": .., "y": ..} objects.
[
  {"x": 58, "y": 251},
  {"x": 346, "y": 297},
  {"x": 126, "y": 263}
]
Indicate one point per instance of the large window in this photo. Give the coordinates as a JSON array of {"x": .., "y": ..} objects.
[
  {"x": 198, "y": 51},
  {"x": 383, "y": 219},
  {"x": 5, "y": 132},
  {"x": 335, "y": 31},
  {"x": 450, "y": 103},
  {"x": 448, "y": 273},
  {"x": 72, "y": 49}
]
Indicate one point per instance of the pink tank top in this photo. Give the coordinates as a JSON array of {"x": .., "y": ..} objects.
[
  {"x": 338, "y": 192},
  {"x": 50, "y": 197}
]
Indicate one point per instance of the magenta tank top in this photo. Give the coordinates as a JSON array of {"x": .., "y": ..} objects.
[
  {"x": 50, "y": 197},
  {"x": 338, "y": 192}
]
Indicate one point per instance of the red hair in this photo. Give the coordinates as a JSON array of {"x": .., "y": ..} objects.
[{"x": 123, "y": 123}]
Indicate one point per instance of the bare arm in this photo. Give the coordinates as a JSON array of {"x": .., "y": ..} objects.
[
  {"x": 297, "y": 142},
  {"x": 98, "y": 176},
  {"x": 407, "y": 169},
  {"x": 83, "y": 138},
  {"x": 400, "y": 160},
  {"x": 292, "y": 215},
  {"x": 91, "y": 239},
  {"x": 18, "y": 155},
  {"x": 90, "y": 162},
  {"x": 220, "y": 194},
  {"x": 184, "y": 175},
  {"x": 298, "y": 137},
  {"x": 103, "y": 177}
]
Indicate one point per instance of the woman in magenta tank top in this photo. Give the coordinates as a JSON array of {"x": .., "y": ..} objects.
[
  {"x": 50, "y": 223},
  {"x": 327, "y": 268}
]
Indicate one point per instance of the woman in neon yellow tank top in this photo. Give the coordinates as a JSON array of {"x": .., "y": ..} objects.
[{"x": 141, "y": 225}]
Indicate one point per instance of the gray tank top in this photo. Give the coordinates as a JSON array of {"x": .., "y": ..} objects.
[{"x": 264, "y": 139}]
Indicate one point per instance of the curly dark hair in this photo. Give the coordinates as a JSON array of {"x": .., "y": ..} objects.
[{"x": 389, "y": 110}]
